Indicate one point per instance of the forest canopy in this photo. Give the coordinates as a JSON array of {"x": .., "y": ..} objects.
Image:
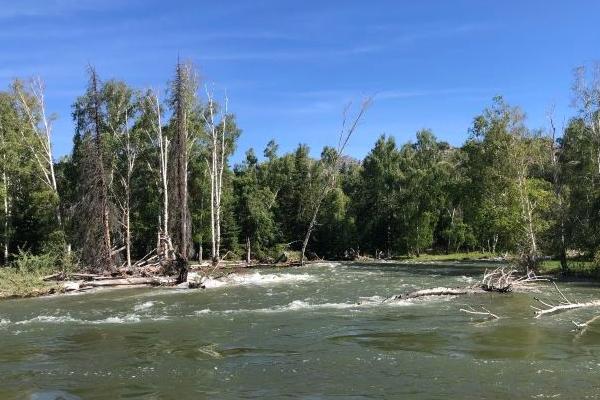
[{"x": 152, "y": 173}]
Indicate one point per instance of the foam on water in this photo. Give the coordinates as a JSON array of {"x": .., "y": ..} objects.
[
  {"x": 61, "y": 319},
  {"x": 210, "y": 283},
  {"x": 268, "y": 279},
  {"x": 257, "y": 279},
  {"x": 144, "y": 306},
  {"x": 300, "y": 305}
]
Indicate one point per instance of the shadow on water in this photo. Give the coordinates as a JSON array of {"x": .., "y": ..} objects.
[
  {"x": 527, "y": 342},
  {"x": 213, "y": 351},
  {"x": 422, "y": 342},
  {"x": 53, "y": 395}
]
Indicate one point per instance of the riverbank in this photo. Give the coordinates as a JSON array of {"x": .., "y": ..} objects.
[
  {"x": 21, "y": 284},
  {"x": 15, "y": 283},
  {"x": 472, "y": 256}
]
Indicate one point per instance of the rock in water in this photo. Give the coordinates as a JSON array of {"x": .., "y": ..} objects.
[
  {"x": 69, "y": 286},
  {"x": 194, "y": 280}
]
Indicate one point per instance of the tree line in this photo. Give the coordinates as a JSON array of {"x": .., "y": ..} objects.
[{"x": 151, "y": 172}]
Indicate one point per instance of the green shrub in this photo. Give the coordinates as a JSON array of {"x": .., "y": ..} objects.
[{"x": 47, "y": 263}]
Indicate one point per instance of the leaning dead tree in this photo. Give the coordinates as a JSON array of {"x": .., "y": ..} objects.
[
  {"x": 332, "y": 168},
  {"x": 32, "y": 104}
]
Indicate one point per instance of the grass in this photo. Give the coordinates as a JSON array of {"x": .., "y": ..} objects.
[
  {"x": 577, "y": 268},
  {"x": 18, "y": 283},
  {"x": 472, "y": 256}
]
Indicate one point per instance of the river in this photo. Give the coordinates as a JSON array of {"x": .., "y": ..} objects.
[{"x": 319, "y": 332}]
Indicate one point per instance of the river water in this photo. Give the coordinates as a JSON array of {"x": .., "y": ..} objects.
[{"x": 319, "y": 332}]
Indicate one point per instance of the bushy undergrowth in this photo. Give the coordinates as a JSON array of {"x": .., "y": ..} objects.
[
  {"x": 23, "y": 277},
  {"x": 15, "y": 282}
]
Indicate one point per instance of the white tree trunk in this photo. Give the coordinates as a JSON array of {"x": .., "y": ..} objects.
[
  {"x": 248, "y": 251},
  {"x": 164, "y": 245},
  {"x": 6, "y": 216}
]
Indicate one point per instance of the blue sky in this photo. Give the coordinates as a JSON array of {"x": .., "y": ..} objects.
[{"x": 289, "y": 67}]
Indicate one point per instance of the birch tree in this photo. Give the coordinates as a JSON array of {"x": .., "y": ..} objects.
[
  {"x": 5, "y": 199},
  {"x": 153, "y": 112},
  {"x": 31, "y": 101},
  {"x": 586, "y": 90},
  {"x": 215, "y": 169},
  {"x": 222, "y": 133},
  {"x": 7, "y": 134},
  {"x": 120, "y": 111}
]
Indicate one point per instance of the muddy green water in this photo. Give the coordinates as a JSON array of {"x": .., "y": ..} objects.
[{"x": 314, "y": 333}]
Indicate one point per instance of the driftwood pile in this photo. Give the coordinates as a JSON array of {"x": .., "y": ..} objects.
[
  {"x": 81, "y": 282},
  {"x": 505, "y": 280},
  {"x": 157, "y": 270},
  {"x": 500, "y": 280}
]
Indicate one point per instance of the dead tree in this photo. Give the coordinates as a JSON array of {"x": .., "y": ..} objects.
[
  {"x": 563, "y": 304},
  {"x": 437, "y": 291},
  {"x": 94, "y": 206},
  {"x": 500, "y": 280},
  {"x": 217, "y": 131},
  {"x": 558, "y": 192},
  {"x": 32, "y": 104},
  {"x": 126, "y": 182},
  {"x": 332, "y": 169}
]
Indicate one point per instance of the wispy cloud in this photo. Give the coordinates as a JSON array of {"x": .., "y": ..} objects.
[
  {"x": 405, "y": 94},
  {"x": 49, "y": 8},
  {"x": 344, "y": 95},
  {"x": 291, "y": 55}
]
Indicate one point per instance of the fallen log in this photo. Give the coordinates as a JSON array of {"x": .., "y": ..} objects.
[
  {"x": 563, "y": 305},
  {"x": 485, "y": 312},
  {"x": 87, "y": 276},
  {"x": 131, "y": 281},
  {"x": 553, "y": 309},
  {"x": 438, "y": 291},
  {"x": 58, "y": 276},
  {"x": 583, "y": 327}
]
